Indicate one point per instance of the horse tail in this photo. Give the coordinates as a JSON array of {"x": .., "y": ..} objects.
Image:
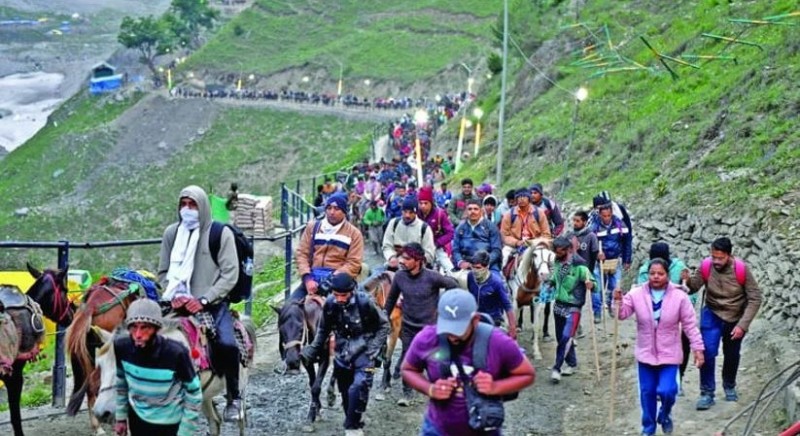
[
  {"x": 76, "y": 399},
  {"x": 80, "y": 358}
]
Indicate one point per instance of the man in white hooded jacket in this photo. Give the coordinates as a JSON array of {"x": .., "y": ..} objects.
[{"x": 191, "y": 279}]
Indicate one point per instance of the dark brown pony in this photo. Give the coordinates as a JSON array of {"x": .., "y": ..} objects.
[
  {"x": 379, "y": 287},
  {"x": 49, "y": 295},
  {"x": 104, "y": 307},
  {"x": 298, "y": 322}
]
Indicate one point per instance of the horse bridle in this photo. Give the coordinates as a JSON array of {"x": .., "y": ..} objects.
[
  {"x": 303, "y": 338},
  {"x": 539, "y": 251},
  {"x": 59, "y": 304},
  {"x": 119, "y": 298}
]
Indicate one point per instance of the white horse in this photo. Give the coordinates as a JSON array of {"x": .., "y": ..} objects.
[
  {"x": 212, "y": 384},
  {"x": 533, "y": 270}
]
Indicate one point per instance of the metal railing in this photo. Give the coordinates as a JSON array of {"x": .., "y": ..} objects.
[{"x": 295, "y": 213}]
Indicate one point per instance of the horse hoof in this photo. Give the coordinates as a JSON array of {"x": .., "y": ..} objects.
[
  {"x": 99, "y": 431},
  {"x": 308, "y": 428}
]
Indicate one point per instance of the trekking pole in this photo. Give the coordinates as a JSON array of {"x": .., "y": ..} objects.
[
  {"x": 602, "y": 289},
  {"x": 596, "y": 354},
  {"x": 614, "y": 362}
]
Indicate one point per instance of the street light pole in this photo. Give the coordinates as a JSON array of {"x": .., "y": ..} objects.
[
  {"x": 501, "y": 122},
  {"x": 478, "y": 112},
  {"x": 580, "y": 95}
]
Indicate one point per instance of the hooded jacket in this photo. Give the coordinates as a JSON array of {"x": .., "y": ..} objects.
[
  {"x": 209, "y": 279},
  {"x": 443, "y": 231},
  {"x": 661, "y": 344}
]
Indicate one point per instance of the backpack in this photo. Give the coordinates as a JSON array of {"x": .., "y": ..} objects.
[
  {"x": 480, "y": 350},
  {"x": 243, "y": 289},
  {"x": 535, "y": 215},
  {"x": 739, "y": 268},
  {"x": 421, "y": 232}
]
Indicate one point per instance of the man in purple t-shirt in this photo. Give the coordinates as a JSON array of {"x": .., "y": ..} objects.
[{"x": 507, "y": 369}]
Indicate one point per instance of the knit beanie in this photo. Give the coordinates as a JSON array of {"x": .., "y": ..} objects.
[
  {"x": 426, "y": 194},
  {"x": 523, "y": 192},
  {"x": 144, "y": 310},
  {"x": 537, "y": 187},
  {"x": 410, "y": 203},
  {"x": 659, "y": 249},
  {"x": 337, "y": 200}
]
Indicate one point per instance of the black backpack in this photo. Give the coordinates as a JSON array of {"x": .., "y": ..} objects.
[{"x": 243, "y": 289}]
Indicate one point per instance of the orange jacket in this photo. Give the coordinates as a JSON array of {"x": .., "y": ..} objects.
[{"x": 511, "y": 232}]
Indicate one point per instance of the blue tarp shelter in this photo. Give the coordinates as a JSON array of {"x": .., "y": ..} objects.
[{"x": 104, "y": 79}]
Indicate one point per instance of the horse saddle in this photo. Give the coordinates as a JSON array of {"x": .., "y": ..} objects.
[{"x": 11, "y": 297}]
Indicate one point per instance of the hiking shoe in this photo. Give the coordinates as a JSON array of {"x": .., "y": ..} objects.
[
  {"x": 555, "y": 376},
  {"x": 405, "y": 400},
  {"x": 568, "y": 370},
  {"x": 547, "y": 338},
  {"x": 352, "y": 432},
  {"x": 580, "y": 333},
  {"x": 666, "y": 425},
  {"x": 705, "y": 402},
  {"x": 731, "y": 395},
  {"x": 233, "y": 411},
  {"x": 598, "y": 318}
]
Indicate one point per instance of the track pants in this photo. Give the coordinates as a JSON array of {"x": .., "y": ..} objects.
[{"x": 657, "y": 383}]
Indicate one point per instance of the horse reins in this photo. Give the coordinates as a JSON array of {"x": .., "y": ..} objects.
[
  {"x": 119, "y": 298},
  {"x": 59, "y": 304}
]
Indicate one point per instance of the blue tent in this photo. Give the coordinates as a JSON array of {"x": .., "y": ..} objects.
[{"x": 104, "y": 79}]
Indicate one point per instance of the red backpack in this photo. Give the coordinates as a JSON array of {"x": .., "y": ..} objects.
[{"x": 739, "y": 268}]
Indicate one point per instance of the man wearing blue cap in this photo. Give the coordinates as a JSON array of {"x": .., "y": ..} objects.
[
  {"x": 458, "y": 326},
  {"x": 328, "y": 245},
  {"x": 405, "y": 229}
]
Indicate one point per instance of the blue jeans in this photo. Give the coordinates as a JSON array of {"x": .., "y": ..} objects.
[
  {"x": 565, "y": 331},
  {"x": 657, "y": 382},
  {"x": 225, "y": 357},
  {"x": 354, "y": 384},
  {"x": 429, "y": 430},
  {"x": 714, "y": 331},
  {"x": 612, "y": 281}
]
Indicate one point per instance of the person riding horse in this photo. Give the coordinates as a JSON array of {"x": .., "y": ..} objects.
[{"x": 360, "y": 329}]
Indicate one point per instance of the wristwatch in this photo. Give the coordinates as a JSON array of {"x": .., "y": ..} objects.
[{"x": 203, "y": 301}]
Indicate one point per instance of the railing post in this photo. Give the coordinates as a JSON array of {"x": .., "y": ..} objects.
[
  {"x": 287, "y": 273},
  {"x": 248, "y": 305},
  {"x": 284, "y": 207},
  {"x": 59, "y": 366}
]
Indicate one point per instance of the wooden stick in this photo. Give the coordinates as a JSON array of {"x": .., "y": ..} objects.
[
  {"x": 602, "y": 289},
  {"x": 596, "y": 354},
  {"x": 614, "y": 363}
]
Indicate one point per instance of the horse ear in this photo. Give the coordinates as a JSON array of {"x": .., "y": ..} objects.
[{"x": 33, "y": 271}]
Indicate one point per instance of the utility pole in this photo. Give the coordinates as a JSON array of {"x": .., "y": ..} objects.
[{"x": 499, "y": 175}]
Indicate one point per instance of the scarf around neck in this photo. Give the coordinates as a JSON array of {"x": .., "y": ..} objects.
[{"x": 181, "y": 263}]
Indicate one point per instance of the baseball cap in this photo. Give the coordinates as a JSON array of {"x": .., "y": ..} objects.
[{"x": 456, "y": 308}]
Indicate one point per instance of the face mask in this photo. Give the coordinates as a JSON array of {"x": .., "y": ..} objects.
[
  {"x": 481, "y": 275},
  {"x": 190, "y": 218}
]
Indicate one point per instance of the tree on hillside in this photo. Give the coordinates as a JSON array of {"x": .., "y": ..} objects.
[
  {"x": 188, "y": 18},
  {"x": 149, "y": 35}
]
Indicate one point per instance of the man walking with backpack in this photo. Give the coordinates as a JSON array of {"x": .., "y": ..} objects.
[
  {"x": 405, "y": 229},
  {"x": 195, "y": 280},
  {"x": 730, "y": 303},
  {"x": 331, "y": 244},
  {"x": 360, "y": 329},
  {"x": 475, "y": 363}
]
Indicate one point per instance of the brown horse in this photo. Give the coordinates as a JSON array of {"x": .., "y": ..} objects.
[
  {"x": 379, "y": 287},
  {"x": 104, "y": 307},
  {"x": 298, "y": 322},
  {"x": 47, "y": 296},
  {"x": 533, "y": 269}
]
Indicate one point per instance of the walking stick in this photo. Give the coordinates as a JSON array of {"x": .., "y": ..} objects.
[
  {"x": 614, "y": 362},
  {"x": 602, "y": 290},
  {"x": 596, "y": 354}
]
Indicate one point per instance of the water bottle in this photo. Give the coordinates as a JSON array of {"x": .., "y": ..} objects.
[{"x": 248, "y": 267}]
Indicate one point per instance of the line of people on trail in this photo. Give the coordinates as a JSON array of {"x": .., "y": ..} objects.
[{"x": 589, "y": 261}]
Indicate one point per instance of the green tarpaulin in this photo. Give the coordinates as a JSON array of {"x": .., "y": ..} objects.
[{"x": 218, "y": 210}]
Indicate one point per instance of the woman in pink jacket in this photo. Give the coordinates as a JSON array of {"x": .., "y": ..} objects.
[{"x": 662, "y": 310}]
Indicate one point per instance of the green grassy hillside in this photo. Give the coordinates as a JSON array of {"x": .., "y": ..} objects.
[
  {"x": 401, "y": 41},
  {"x": 724, "y": 134}
]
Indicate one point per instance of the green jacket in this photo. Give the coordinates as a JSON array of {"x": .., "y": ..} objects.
[
  {"x": 374, "y": 217},
  {"x": 570, "y": 290},
  {"x": 676, "y": 266}
]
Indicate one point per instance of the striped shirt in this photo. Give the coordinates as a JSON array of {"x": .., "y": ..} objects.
[{"x": 159, "y": 383}]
